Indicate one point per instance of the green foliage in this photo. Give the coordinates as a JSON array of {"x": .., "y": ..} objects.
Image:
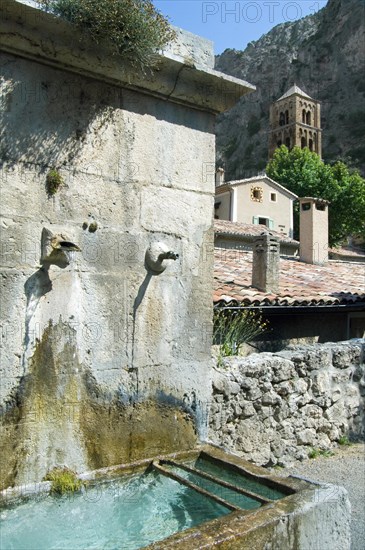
[
  {"x": 232, "y": 328},
  {"x": 315, "y": 453},
  {"x": 133, "y": 28},
  {"x": 304, "y": 173},
  {"x": 53, "y": 181},
  {"x": 344, "y": 440},
  {"x": 63, "y": 481}
]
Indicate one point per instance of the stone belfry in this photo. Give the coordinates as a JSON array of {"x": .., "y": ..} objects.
[{"x": 295, "y": 119}]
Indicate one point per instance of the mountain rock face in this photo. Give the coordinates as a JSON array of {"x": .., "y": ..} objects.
[{"x": 324, "y": 54}]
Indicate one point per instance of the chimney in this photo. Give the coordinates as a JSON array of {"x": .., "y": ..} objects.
[
  {"x": 313, "y": 225},
  {"x": 266, "y": 258},
  {"x": 219, "y": 177}
]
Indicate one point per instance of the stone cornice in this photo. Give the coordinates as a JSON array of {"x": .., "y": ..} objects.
[{"x": 33, "y": 34}]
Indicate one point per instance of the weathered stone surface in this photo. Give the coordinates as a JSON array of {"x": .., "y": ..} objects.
[
  {"x": 192, "y": 48},
  {"x": 248, "y": 410},
  {"x": 227, "y": 387},
  {"x": 312, "y": 410},
  {"x": 344, "y": 356},
  {"x": 320, "y": 383},
  {"x": 306, "y": 437},
  {"x": 290, "y": 402},
  {"x": 270, "y": 398},
  {"x": 136, "y": 153},
  {"x": 180, "y": 77}
]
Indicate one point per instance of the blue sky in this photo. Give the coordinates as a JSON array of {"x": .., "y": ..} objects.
[{"x": 233, "y": 24}]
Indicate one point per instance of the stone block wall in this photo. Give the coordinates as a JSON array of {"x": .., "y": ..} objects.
[
  {"x": 272, "y": 408},
  {"x": 103, "y": 361},
  {"x": 87, "y": 345}
]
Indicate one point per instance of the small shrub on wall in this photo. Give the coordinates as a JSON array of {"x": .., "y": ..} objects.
[
  {"x": 53, "y": 182},
  {"x": 232, "y": 328},
  {"x": 134, "y": 28}
]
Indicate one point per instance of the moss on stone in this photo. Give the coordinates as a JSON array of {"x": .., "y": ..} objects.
[
  {"x": 53, "y": 181},
  {"x": 63, "y": 481}
]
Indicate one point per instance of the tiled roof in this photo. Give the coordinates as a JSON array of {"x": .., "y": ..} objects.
[
  {"x": 356, "y": 254},
  {"x": 294, "y": 90},
  {"x": 337, "y": 283},
  {"x": 238, "y": 229}
]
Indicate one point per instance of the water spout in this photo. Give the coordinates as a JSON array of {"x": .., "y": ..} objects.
[
  {"x": 169, "y": 255},
  {"x": 56, "y": 249},
  {"x": 157, "y": 256}
]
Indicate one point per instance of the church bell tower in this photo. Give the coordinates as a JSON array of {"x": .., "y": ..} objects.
[{"x": 295, "y": 120}]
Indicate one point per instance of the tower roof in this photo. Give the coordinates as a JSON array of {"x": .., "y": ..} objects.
[{"x": 294, "y": 90}]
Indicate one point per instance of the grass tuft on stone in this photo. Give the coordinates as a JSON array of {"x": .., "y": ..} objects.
[
  {"x": 232, "y": 328},
  {"x": 63, "y": 481},
  {"x": 316, "y": 453},
  {"x": 53, "y": 181},
  {"x": 344, "y": 441}
]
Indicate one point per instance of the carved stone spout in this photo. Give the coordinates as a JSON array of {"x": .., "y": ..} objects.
[
  {"x": 157, "y": 257},
  {"x": 55, "y": 248}
]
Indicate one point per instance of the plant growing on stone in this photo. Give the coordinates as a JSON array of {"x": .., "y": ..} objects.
[
  {"x": 134, "y": 29},
  {"x": 315, "y": 453},
  {"x": 53, "y": 181},
  {"x": 63, "y": 481},
  {"x": 344, "y": 441},
  {"x": 232, "y": 328}
]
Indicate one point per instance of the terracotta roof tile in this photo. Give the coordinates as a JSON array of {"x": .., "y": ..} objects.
[
  {"x": 301, "y": 284},
  {"x": 239, "y": 229}
]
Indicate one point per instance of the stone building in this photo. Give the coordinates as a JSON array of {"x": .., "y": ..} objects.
[
  {"x": 305, "y": 300},
  {"x": 258, "y": 201},
  {"x": 295, "y": 120},
  {"x": 104, "y": 357}
]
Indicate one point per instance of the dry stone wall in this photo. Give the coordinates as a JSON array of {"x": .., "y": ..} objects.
[{"x": 272, "y": 408}]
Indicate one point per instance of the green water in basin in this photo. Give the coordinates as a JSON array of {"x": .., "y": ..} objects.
[
  {"x": 245, "y": 482},
  {"x": 242, "y": 501},
  {"x": 121, "y": 514}
]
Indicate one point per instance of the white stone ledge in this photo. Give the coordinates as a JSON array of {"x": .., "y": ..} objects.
[{"x": 33, "y": 34}]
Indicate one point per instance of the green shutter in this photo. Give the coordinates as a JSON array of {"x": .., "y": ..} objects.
[
  {"x": 255, "y": 220},
  {"x": 271, "y": 224}
]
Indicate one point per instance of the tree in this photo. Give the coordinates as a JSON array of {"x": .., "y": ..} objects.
[
  {"x": 305, "y": 174},
  {"x": 133, "y": 28}
]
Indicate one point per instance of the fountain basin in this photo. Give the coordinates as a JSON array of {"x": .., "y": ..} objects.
[{"x": 196, "y": 499}]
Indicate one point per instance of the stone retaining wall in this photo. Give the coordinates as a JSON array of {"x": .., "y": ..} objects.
[{"x": 272, "y": 408}]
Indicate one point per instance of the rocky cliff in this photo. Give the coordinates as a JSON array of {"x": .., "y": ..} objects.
[{"x": 324, "y": 54}]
